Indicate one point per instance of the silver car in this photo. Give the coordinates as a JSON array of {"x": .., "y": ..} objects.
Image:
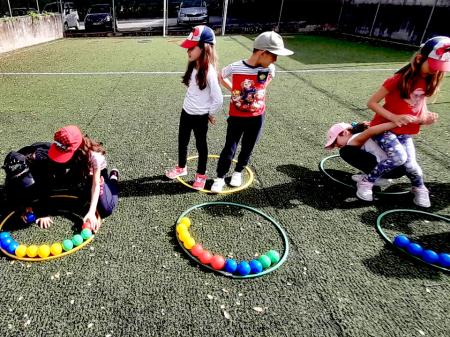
[{"x": 192, "y": 12}]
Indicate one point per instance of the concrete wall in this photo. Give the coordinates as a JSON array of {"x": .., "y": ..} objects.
[{"x": 23, "y": 31}]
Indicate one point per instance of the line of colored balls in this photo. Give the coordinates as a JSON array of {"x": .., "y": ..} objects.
[
  {"x": 218, "y": 262},
  {"x": 427, "y": 255},
  {"x": 14, "y": 248}
]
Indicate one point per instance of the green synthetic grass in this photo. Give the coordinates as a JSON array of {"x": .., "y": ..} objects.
[{"x": 133, "y": 280}]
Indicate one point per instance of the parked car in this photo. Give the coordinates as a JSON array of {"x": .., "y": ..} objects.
[
  {"x": 192, "y": 12},
  {"x": 70, "y": 15},
  {"x": 99, "y": 17},
  {"x": 22, "y": 11}
]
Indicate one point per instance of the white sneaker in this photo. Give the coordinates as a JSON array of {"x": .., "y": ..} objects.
[
  {"x": 380, "y": 182},
  {"x": 236, "y": 179},
  {"x": 364, "y": 190},
  {"x": 421, "y": 196},
  {"x": 218, "y": 185}
]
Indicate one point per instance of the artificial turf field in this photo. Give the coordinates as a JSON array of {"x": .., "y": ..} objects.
[{"x": 340, "y": 279}]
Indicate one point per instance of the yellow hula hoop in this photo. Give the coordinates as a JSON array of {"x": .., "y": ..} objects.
[
  {"x": 51, "y": 257},
  {"x": 251, "y": 178}
]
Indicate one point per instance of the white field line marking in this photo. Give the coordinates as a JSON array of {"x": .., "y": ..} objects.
[{"x": 116, "y": 73}]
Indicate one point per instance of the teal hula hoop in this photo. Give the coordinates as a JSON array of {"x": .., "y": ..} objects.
[
  {"x": 386, "y": 238},
  {"x": 254, "y": 210}
]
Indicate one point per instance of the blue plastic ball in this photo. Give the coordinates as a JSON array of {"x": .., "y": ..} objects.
[
  {"x": 230, "y": 266},
  {"x": 11, "y": 249},
  {"x": 243, "y": 268},
  {"x": 30, "y": 217},
  {"x": 444, "y": 260},
  {"x": 430, "y": 256},
  {"x": 5, "y": 242},
  {"x": 4, "y": 235},
  {"x": 414, "y": 249},
  {"x": 401, "y": 241},
  {"x": 255, "y": 267}
]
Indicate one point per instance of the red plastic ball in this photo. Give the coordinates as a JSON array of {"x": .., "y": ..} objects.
[
  {"x": 86, "y": 225},
  {"x": 217, "y": 262},
  {"x": 197, "y": 250},
  {"x": 205, "y": 257}
]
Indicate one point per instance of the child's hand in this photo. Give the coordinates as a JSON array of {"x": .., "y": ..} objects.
[
  {"x": 92, "y": 219},
  {"x": 44, "y": 222},
  {"x": 401, "y": 120},
  {"x": 212, "y": 119},
  {"x": 429, "y": 118}
]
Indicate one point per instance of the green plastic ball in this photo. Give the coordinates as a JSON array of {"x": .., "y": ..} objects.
[
  {"x": 265, "y": 261},
  {"x": 274, "y": 256},
  {"x": 67, "y": 245},
  {"x": 77, "y": 240},
  {"x": 86, "y": 233}
]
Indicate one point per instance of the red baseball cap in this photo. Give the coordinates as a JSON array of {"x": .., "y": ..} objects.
[
  {"x": 437, "y": 50},
  {"x": 66, "y": 141},
  {"x": 199, "y": 34}
]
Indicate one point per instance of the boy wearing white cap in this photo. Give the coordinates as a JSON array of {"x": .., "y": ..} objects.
[{"x": 247, "y": 80}]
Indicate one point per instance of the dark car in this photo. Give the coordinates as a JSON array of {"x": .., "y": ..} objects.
[
  {"x": 99, "y": 17},
  {"x": 192, "y": 12}
]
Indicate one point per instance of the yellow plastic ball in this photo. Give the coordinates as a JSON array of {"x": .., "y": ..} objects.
[
  {"x": 21, "y": 251},
  {"x": 181, "y": 227},
  {"x": 32, "y": 251},
  {"x": 189, "y": 243},
  {"x": 186, "y": 221},
  {"x": 183, "y": 236},
  {"x": 44, "y": 251},
  {"x": 56, "y": 248}
]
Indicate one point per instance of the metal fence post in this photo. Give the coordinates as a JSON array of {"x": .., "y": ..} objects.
[
  {"x": 224, "y": 18},
  {"x": 10, "y": 11},
  {"x": 164, "y": 17},
  {"x": 428, "y": 23},
  {"x": 340, "y": 14},
  {"x": 114, "y": 16},
  {"x": 375, "y": 18},
  {"x": 279, "y": 17}
]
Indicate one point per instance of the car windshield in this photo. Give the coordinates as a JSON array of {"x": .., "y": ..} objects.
[
  {"x": 192, "y": 3},
  {"x": 99, "y": 9}
]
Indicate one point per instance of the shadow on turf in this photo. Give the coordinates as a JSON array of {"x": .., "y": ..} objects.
[{"x": 146, "y": 186}]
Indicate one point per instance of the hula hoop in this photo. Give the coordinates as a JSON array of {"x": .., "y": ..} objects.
[
  {"x": 254, "y": 210},
  {"x": 251, "y": 177},
  {"x": 324, "y": 171},
  {"x": 386, "y": 238},
  {"x": 51, "y": 257}
]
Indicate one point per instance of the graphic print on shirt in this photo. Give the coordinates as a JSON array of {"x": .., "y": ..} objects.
[
  {"x": 249, "y": 97},
  {"x": 416, "y": 100}
]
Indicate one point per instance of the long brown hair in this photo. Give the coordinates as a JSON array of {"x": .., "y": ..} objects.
[
  {"x": 208, "y": 56},
  {"x": 411, "y": 72},
  {"x": 82, "y": 153}
]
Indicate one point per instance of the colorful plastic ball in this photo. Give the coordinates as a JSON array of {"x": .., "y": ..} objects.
[
  {"x": 44, "y": 251},
  {"x": 217, "y": 262},
  {"x": 11, "y": 249},
  {"x": 197, "y": 250},
  {"x": 444, "y": 260},
  {"x": 183, "y": 236},
  {"x": 189, "y": 243},
  {"x": 205, "y": 257},
  {"x": 4, "y": 235},
  {"x": 32, "y": 251},
  {"x": 186, "y": 221},
  {"x": 30, "y": 217},
  {"x": 6, "y": 241},
  {"x": 67, "y": 245},
  {"x": 414, "y": 249},
  {"x": 255, "y": 267},
  {"x": 21, "y": 251},
  {"x": 243, "y": 268},
  {"x": 230, "y": 266},
  {"x": 86, "y": 233},
  {"x": 401, "y": 241},
  {"x": 56, "y": 248},
  {"x": 265, "y": 261},
  {"x": 86, "y": 225},
  {"x": 77, "y": 239},
  {"x": 274, "y": 256},
  {"x": 430, "y": 256},
  {"x": 181, "y": 227}
]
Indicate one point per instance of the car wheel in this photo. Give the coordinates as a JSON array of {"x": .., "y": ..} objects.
[
  {"x": 66, "y": 26},
  {"x": 77, "y": 27}
]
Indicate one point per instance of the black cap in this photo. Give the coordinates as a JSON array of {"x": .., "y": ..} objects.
[{"x": 17, "y": 170}]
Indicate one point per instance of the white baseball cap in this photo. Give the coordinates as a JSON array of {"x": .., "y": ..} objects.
[
  {"x": 437, "y": 49},
  {"x": 272, "y": 42}
]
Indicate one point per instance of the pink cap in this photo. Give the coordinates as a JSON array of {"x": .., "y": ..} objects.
[
  {"x": 437, "y": 49},
  {"x": 334, "y": 131}
]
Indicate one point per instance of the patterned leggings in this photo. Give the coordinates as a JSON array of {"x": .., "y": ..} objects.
[{"x": 400, "y": 150}]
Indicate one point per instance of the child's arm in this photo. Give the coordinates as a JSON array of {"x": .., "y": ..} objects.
[
  {"x": 427, "y": 117},
  {"x": 95, "y": 193},
  {"x": 225, "y": 82},
  {"x": 374, "y": 105},
  {"x": 361, "y": 138}
]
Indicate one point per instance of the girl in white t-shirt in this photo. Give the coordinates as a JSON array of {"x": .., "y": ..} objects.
[
  {"x": 69, "y": 147},
  {"x": 203, "y": 99}
]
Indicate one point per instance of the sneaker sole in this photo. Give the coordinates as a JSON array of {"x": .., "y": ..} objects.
[
  {"x": 363, "y": 199},
  {"x": 235, "y": 185},
  {"x": 180, "y": 175}
]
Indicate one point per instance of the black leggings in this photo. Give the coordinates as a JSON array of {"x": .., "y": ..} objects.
[{"x": 365, "y": 161}]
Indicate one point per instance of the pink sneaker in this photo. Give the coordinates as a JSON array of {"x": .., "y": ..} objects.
[
  {"x": 176, "y": 172},
  {"x": 199, "y": 181}
]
